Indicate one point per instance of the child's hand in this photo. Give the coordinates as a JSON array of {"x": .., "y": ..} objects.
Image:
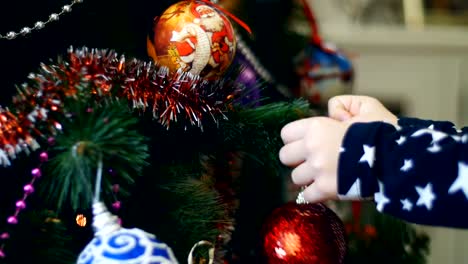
[
  {"x": 352, "y": 108},
  {"x": 312, "y": 146}
]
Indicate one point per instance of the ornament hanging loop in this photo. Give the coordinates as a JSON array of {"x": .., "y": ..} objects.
[
  {"x": 97, "y": 187},
  {"x": 191, "y": 259},
  {"x": 82, "y": 148},
  {"x": 315, "y": 37},
  {"x": 224, "y": 11}
]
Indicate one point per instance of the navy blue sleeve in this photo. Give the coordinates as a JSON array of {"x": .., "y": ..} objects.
[
  {"x": 443, "y": 126},
  {"x": 414, "y": 172}
]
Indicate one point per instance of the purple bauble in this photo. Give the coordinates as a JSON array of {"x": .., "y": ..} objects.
[{"x": 249, "y": 78}]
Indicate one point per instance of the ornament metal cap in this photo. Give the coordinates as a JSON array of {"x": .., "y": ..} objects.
[
  {"x": 300, "y": 197},
  {"x": 104, "y": 223}
]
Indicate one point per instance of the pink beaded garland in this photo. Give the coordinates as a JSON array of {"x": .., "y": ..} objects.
[{"x": 28, "y": 189}]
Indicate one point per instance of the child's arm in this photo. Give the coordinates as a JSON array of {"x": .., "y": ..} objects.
[{"x": 413, "y": 172}]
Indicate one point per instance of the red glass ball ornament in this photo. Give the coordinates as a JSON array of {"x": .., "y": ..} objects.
[
  {"x": 304, "y": 234},
  {"x": 194, "y": 37}
]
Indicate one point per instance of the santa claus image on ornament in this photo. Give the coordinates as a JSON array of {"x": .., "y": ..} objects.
[{"x": 207, "y": 43}]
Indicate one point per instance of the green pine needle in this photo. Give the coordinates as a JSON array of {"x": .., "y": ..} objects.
[
  {"x": 274, "y": 114},
  {"x": 108, "y": 131},
  {"x": 40, "y": 236},
  {"x": 256, "y": 131},
  {"x": 197, "y": 213}
]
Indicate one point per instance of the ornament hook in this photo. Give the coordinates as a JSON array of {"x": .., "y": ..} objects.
[
  {"x": 300, "y": 197},
  {"x": 190, "y": 259}
]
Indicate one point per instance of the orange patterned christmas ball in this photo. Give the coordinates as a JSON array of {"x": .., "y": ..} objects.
[{"x": 195, "y": 37}]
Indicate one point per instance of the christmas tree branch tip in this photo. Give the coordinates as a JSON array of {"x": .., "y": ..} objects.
[{"x": 108, "y": 131}]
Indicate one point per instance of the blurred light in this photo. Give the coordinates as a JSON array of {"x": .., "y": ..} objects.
[{"x": 81, "y": 220}]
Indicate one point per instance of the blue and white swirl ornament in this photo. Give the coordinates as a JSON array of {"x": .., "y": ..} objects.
[{"x": 113, "y": 244}]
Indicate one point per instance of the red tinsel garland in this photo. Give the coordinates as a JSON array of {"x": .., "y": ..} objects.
[
  {"x": 14, "y": 138},
  {"x": 96, "y": 75}
]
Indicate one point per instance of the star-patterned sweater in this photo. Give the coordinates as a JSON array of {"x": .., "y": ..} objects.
[{"x": 417, "y": 171}]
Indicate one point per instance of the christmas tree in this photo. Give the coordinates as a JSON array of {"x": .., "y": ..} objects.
[{"x": 109, "y": 133}]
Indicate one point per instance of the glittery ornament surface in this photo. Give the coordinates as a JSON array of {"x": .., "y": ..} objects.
[
  {"x": 114, "y": 244},
  {"x": 304, "y": 234},
  {"x": 194, "y": 37}
]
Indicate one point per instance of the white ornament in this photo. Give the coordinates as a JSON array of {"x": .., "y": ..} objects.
[{"x": 113, "y": 244}]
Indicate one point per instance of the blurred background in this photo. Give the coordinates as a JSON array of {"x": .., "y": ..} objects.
[{"x": 410, "y": 54}]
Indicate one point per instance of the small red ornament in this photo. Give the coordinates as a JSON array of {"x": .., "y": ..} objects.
[
  {"x": 304, "y": 234},
  {"x": 194, "y": 37}
]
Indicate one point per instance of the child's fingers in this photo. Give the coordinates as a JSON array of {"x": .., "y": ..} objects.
[
  {"x": 313, "y": 195},
  {"x": 294, "y": 131}
]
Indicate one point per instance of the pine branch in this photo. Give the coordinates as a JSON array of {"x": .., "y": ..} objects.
[
  {"x": 256, "y": 131},
  {"x": 40, "y": 236},
  {"x": 197, "y": 213},
  {"x": 109, "y": 131},
  {"x": 274, "y": 114}
]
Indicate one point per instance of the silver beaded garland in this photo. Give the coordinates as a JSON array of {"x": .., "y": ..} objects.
[{"x": 40, "y": 24}]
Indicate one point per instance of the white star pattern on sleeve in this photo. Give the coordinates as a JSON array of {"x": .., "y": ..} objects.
[
  {"x": 436, "y": 135},
  {"x": 426, "y": 196},
  {"x": 461, "y": 183},
  {"x": 407, "y": 204},
  {"x": 457, "y": 138},
  {"x": 342, "y": 149},
  {"x": 418, "y": 174},
  {"x": 464, "y": 138},
  {"x": 380, "y": 198},
  {"x": 407, "y": 165},
  {"x": 401, "y": 140},
  {"x": 457, "y": 129},
  {"x": 369, "y": 155},
  {"x": 434, "y": 148},
  {"x": 353, "y": 192}
]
